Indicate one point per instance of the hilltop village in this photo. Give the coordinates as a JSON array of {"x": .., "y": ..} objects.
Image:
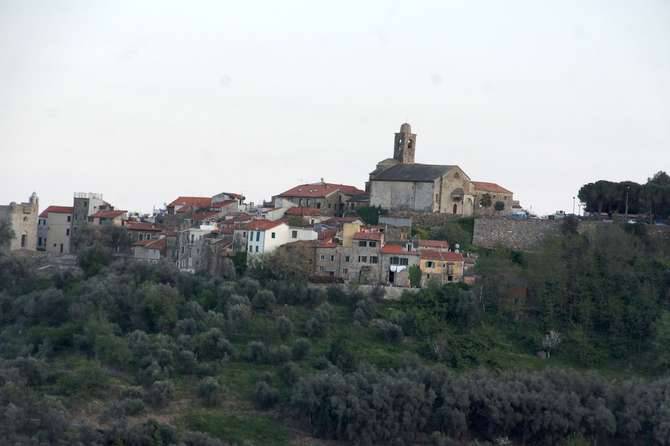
[{"x": 318, "y": 226}]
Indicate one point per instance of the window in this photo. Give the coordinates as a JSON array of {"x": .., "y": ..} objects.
[
  {"x": 430, "y": 264},
  {"x": 332, "y": 258},
  {"x": 329, "y": 205},
  {"x": 182, "y": 250},
  {"x": 258, "y": 235},
  {"x": 363, "y": 259},
  {"x": 318, "y": 205},
  {"x": 394, "y": 261},
  {"x": 372, "y": 244},
  {"x": 67, "y": 232},
  {"x": 251, "y": 235},
  {"x": 39, "y": 241},
  {"x": 192, "y": 238},
  {"x": 404, "y": 261},
  {"x": 362, "y": 243},
  {"x": 346, "y": 259},
  {"x": 374, "y": 259},
  {"x": 294, "y": 234},
  {"x": 244, "y": 234},
  {"x": 321, "y": 269},
  {"x": 69, "y": 218},
  {"x": 323, "y": 257},
  {"x": 251, "y": 248},
  {"x": 274, "y": 235},
  {"x": 24, "y": 240},
  {"x": 345, "y": 271},
  {"x": 256, "y": 248},
  {"x": 450, "y": 269}
]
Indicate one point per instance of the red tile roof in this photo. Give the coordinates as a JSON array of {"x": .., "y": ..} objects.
[
  {"x": 327, "y": 234},
  {"x": 302, "y": 211},
  {"x": 198, "y": 202},
  {"x": 56, "y": 210},
  {"x": 142, "y": 226},
  {"x": 262, "y": 225},
  {"x": 319, "y": 190},
  {"x": 399, "y": 250},
  {"x": 436, "y": 244},
  {"x": 159, "y": 244},
  {"x": 204, "y": 215},
  {"x": 325, "y": 244},
  {"x": 108, "y": 214},
  {"x": 429, "y": 254},
  {"x": 490, "y": 187},
  {"x": 368, "y": 236}
]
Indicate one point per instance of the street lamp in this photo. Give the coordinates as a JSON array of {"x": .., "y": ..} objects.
[{"x": 573, "y": 205}]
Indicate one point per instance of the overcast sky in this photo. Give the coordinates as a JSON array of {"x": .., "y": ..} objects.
[{"x": 147, "y": 100}]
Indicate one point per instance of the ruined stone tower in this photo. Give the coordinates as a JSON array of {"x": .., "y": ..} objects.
[{"x": 405, "y": 144}]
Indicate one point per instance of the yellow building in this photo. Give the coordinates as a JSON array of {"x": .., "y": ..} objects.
[{"x": 445, "y": 267}]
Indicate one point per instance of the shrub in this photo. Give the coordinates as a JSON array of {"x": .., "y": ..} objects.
[
  {"x": 289, "y": 373},
  {"x": 212, "y": 345},
  {"x": 281, "y": 354},
  {"x": 133, "y": 406},
  {"x": 389, "y": 331},
  {"x": 300, "y": 349},
  {"x": 248, "y": 286},
  {"x": 209, "y": 391},
  {"x": 265, "y": 396},
  {"x": 257, "y": 352},
  {"x": 160, "y": 393},
  {"x": 314, "y": 327},
  {"x": 263, "y": 300},
  {"x": 284, "y": 327}
]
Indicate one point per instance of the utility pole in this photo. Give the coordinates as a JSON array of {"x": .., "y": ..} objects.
[{"x": 573, "y": 205}]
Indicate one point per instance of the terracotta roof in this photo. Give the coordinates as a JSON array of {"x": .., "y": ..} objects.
[
  {"x": 142, "y": 226},
  {"x": 301, "y": 211},
  {"x": 490, "y": 187},
  {"x": 437, "y": 244},
  {"x": 56, "y": 210},
  {"x": 262, "y": 225},
  {"x": 200, "y": 202},
  {"x": 108, "y": 214},
  {"x": 204, "y": 215},
  {"x": 368, "y": 236},
  {"x": 318, "y": 190},
  {"x": 397, "y": 249},
  {"x": 327, "y": 234},
  {"x": 159, "y": 244},
  {"x": 429, "y": 254},
  {"x": 325, "y": 244}
]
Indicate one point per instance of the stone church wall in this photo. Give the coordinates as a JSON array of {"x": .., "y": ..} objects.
[{"x": 402, "y": 195}]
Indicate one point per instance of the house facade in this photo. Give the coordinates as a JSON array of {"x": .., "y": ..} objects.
[
  {"x": 487, "y": 197},
  {"x": 22, "y": 219},
  {"x": 54, "y": 229},
  {"x": 330, "y": 199},
  {"x": 440, "y": 266}
]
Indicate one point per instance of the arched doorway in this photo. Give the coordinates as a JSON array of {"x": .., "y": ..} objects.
[{"x": 455, "y": 208}]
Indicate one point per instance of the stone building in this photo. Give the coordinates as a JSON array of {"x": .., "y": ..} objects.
[
  {"x": 53, "y": 229},
  {"x": 399, "y": 183},
  {"x": 487, "y": 195},
  {"x": 22, "y": 219},
  {"x": 441, "y": 266},
  {"x": 328, "y": 198}
]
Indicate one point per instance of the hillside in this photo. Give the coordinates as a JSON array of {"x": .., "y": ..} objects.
[{"x": 135, "y": 354}]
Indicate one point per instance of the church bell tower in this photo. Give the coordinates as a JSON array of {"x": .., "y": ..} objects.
[{"x": 405, "y": 144}]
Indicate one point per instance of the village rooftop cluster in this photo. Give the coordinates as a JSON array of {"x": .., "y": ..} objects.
[{"x": 314, "y": 225}]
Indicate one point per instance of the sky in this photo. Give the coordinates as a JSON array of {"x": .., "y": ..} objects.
[{"x": 144, "y": 101}]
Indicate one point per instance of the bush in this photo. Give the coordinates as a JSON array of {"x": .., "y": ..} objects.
[
  {"x": 213, "y": 345},
  {"x": 133, "y": 406},
  {"x": 281, "y": 354},
  {"x": 314, "y": 327},
  {"x": 209, "y": 391},
  {"x": 263, "y": 300},
  {"x": 265, "y": 396},
  {"x": 289, "y": 373},
  {"x": 160, "y": 393},
  {"x": 389, "y": 331},
  {"x": 284, "y": 327},
  {"x": 300, "y": 349},
  {"x": 257, "y": 352}
]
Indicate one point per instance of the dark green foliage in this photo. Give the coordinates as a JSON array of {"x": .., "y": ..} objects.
[
  {"x": 300, "y": 349},
  {"x": 284, "y": 327},
  {"x": 531, "y": 408},
  {"x": 289, "y": 373},
  {"x": 209, "y": 391},
  {"x": 265, "y": 396},
  {"x": 263, "y": 299},
  {"x": 213, "y": 345},
  {"x": 258, "y": 352},
  {"x": 6, "y": 235},
  {"x": 160, "y": 393},
  {"x": 389, "y": 331},
  {"x": 370, "y": 215},
  {"x": 415, "y": 276},
  {"x": 315, "y": 327}
]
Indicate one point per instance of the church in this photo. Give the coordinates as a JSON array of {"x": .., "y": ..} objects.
[{"x": 399, "y": 183}]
